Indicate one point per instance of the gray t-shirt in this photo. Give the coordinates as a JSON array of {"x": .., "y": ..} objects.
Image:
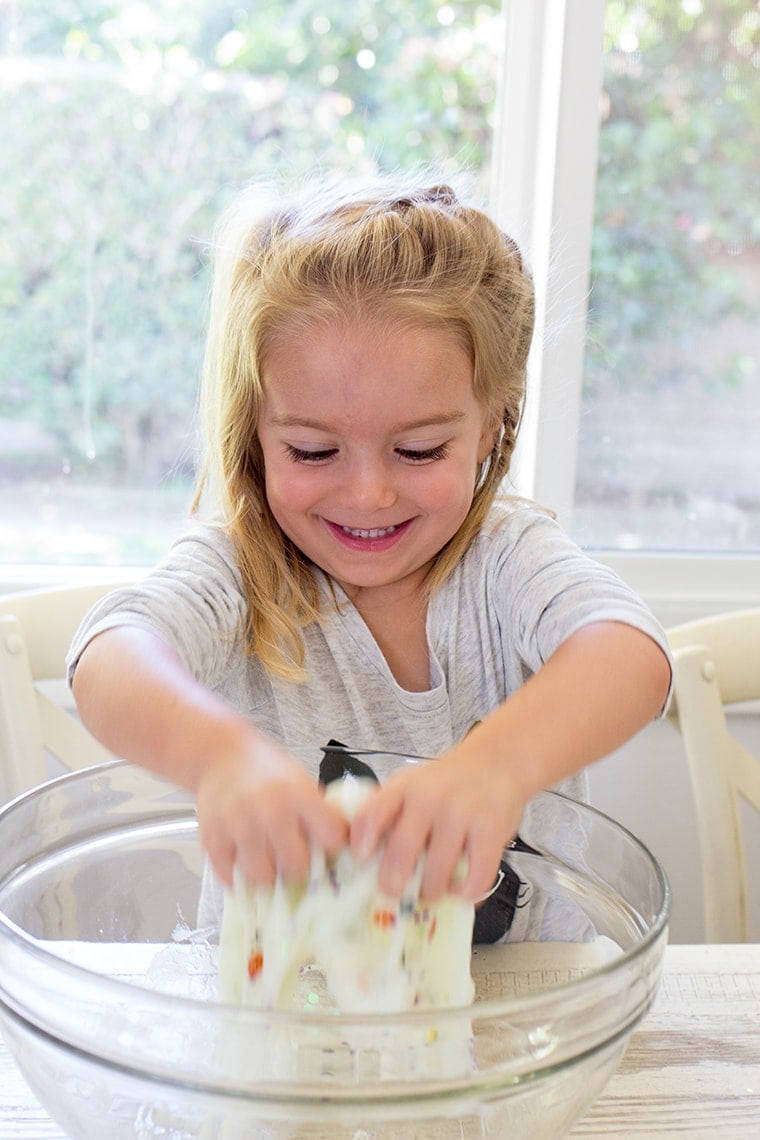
[{"x": 521, "y": 589}]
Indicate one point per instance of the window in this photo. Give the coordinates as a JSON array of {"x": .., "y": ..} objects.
[
  {"x": 625, "y": 161},
  {"x": 640, "y": 428},
  {"x": 126, "y": 126},
  {"x": 668, "y": 454}
]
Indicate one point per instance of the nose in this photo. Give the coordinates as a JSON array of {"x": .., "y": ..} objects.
[{"x": 371, "y": 485}]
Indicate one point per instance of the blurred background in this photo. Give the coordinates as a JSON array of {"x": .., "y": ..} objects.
[{"x": 126, "y": 127}]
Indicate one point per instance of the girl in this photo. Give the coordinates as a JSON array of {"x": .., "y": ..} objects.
[{"x": 363, "y": 381}]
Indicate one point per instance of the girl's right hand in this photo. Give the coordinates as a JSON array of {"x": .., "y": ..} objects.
[
  {"x": 259, "y": 810},
  {"x": 257, "y": 806}
]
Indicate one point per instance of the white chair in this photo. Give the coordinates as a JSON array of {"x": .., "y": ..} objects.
[
  {"x": 717, "y": 664},
  {"x": 36, "y": 629}
]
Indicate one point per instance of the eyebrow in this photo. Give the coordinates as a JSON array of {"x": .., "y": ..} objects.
[{"x": 317, "y": 425}]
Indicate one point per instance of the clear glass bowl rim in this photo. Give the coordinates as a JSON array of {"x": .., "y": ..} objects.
[{"x": 481, "y": 1010}]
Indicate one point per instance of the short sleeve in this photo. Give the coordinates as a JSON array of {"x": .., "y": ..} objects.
[{"x": 193, "y": 599}]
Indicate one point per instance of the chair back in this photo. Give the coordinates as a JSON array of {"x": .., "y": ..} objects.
[
  {"x": 717, "y": 665},
  {"x": 37, "y": 720}
]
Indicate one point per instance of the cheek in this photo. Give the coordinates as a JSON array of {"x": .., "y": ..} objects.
[
  {"x": 452, "y": 493},
  {"x": 289, "y": 488}
]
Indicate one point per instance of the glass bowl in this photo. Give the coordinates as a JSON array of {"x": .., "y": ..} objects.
[{"x": 107, "y": 987}]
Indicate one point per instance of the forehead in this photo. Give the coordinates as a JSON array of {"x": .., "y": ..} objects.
[
  {"x": 348, "y": 359},
  {"x": 352, "y": 347}
]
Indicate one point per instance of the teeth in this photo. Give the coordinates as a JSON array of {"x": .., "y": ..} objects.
[{"x": 378, "y": 532}]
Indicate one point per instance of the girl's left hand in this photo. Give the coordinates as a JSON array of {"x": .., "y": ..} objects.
[
  {"x": 602, "y": 685},
  {"x": 457, "y": 807}
]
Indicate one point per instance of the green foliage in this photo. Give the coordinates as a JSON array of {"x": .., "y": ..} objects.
[
  {"x": 127, "y": 126},
  {"x": 678, "y": 160}
]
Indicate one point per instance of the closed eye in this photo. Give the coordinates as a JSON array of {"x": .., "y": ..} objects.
[
  {"x": 428, "y": 454},
  {"x": 299, "y": 455}
]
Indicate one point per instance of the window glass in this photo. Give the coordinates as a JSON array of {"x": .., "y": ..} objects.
[
  {"x": 668, "y": 453},
  {"x": 126, "y": 126}
]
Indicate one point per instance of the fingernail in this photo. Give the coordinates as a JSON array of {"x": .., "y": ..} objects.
[{"x": 363, "y": 848}]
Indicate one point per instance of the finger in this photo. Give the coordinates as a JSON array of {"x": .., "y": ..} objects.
[
  {"x": 222, "y": 860},
  {"x": 292, "y": 852},
  {"x": 483, "y": 849},
  {"x": 326, "y": 827},
  {"x": 374, "y": 820},
  {"x": 444, "y": 853},
  {"x": 298, "y": 827},
  {"x": 221, "y": 853},
  {"x": 256, "y": 860},
  {"x": 403, "y": 848}
]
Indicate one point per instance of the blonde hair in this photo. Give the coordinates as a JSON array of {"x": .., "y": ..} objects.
[{"x": 394, "y": 251}]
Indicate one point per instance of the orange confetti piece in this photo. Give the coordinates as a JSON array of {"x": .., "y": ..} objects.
[
  {"x": 255, "y": 964},
  {"x": 383, "y": 918}
]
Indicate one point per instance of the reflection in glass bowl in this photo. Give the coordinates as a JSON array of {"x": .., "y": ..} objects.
[{"x": 107, "y": 987}]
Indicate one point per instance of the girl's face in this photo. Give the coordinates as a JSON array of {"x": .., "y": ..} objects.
[{"x": 372, "y": 440}]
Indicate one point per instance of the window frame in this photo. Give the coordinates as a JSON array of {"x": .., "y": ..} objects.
[
  {"x": 545, "y": 159},
  {"x": 546, "y": 139}
]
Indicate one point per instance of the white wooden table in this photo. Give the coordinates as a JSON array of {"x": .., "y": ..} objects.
[{"x": 692, "y": 1068}]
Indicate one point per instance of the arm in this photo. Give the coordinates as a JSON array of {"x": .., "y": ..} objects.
[
  {"x": 600, "y": 687},
  {"x": 256, "y": 805}
]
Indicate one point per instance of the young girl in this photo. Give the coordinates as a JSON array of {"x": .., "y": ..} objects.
[{"x": 364, "y": 376}]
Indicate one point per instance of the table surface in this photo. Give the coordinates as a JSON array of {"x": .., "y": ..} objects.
[{"x": 692, "y": 1067}]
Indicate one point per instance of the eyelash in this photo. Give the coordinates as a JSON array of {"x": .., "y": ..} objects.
[
  {"x": 430, "y": 454},
  {"x": 298, "y": 455}
]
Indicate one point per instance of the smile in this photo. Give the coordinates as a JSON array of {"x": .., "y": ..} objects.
[
  {"x": 376, "y": 532},
  {"x": 371, "y": 539}
]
